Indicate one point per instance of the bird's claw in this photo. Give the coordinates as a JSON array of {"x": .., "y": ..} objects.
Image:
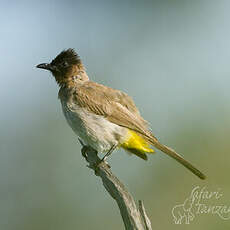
[
  {"x": 84, "y": 151},
  {"x": 103, "y": 160}
]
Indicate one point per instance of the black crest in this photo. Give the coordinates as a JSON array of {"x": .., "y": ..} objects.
[{"x": 68, "y": 57}]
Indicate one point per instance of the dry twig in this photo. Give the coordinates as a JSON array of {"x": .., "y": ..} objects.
[{"x": 134, "y": 218}]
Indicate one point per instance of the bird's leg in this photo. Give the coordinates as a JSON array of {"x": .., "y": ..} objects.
[
  {"x": 84, "y": 148},
  {"x": 107, "y": 155},
  {"x": 82, "y": 144},
  {"x": 84, "y": 153},
  {"x": 109, "y": 152}
]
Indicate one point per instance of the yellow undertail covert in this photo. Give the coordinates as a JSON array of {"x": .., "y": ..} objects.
[{"x": 134, "y": 141}]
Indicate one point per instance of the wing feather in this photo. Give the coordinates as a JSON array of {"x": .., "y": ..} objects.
[
  {"x": 113, "y": 104},
  {"x": 120, "y": 109}
]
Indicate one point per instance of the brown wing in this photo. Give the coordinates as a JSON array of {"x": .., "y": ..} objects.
[
  {"x": 119, "y": 108},
  {"x": 113, "y": 104}
]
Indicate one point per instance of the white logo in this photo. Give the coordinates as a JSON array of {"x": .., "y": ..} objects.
[{"x": 197, "y": 203}]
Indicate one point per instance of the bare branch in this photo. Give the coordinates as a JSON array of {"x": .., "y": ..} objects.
[
  {"x": 134, "y": 218},
  {"x": 144, "y": 216}
]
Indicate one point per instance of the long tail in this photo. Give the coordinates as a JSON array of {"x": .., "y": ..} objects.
[{"x": 177, "y": 157}]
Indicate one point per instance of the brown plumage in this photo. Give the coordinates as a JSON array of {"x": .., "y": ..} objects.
[
  {"x": 78, "y": 95},
  {"x": 120, "y": 109}
]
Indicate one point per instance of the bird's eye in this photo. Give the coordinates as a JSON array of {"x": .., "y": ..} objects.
[{"x": 65, "y": 64}]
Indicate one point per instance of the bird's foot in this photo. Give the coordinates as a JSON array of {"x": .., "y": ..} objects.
[
  {"x": 103, "y": 160},
  {"x": 84, "y": 151}
]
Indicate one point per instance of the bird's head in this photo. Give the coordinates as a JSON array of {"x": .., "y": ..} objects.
[{"x": 65, "y": 66}]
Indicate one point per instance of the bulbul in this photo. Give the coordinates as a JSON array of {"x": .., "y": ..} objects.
[{"x": 103, "y": 118}]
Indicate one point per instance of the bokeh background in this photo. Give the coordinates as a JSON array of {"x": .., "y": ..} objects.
[{"x": 172, "y": 57}]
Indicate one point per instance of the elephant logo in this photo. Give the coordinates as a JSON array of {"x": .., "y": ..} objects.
[{"x": 183, "y": 211}]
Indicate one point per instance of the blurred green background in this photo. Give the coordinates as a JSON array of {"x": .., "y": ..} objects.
[{"x": 172, "y": 57}]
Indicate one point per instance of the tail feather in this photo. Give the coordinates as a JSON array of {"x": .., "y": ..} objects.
[
  {"x": 177, "y": 157},
  {"x": 137, "y": 153}
]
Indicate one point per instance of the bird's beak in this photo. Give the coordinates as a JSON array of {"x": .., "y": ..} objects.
[{"x": 45, "y": 66}]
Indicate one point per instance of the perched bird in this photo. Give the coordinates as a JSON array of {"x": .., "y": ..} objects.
[{"x": 103, "y": 118}]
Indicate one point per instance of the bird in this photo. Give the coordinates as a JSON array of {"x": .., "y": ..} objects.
[{"x": 103, "y": 118}]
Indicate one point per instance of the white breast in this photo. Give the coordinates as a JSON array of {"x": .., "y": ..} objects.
[{"x": 94, "y": 130}]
